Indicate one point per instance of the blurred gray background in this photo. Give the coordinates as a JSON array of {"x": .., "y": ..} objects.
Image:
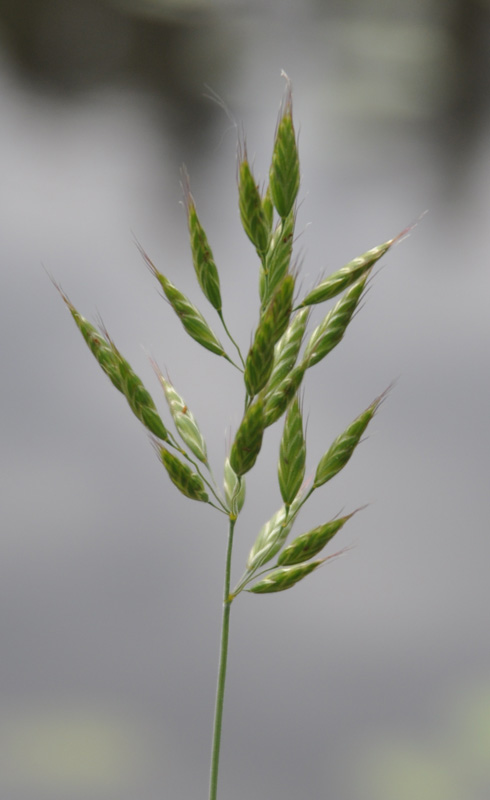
[{"x": 370, "y": 680}]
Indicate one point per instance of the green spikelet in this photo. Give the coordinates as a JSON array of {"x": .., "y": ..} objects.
[
  {"x": 292, "y": 454},
  {"x": 120, "y": 373},
  {"x": 271, "y": 538},
  {"x": 248, "y": 438},
  {"x": 187, "y": 481},
  {"x": 202, "y": 255},
  {"x": 271, "y": 327},
  {"x": 284, "y": 578},
  {"x": 278, "y": 258},
  {"x": 331, "y": 330},
  {"x": 310, "y": 544},
  {"x": 345, "y": 277},
  {"x": 254, "y": 218},
  {"x": 99, "y": 346},
  {"x": 287, "y": 349},
  {"x": 344, "y": 445},
  {"x": 268, "y": 208},
  {"x": 139, "y": 399},
  {"x": 184, "y": 420},
  {"x": 284, "y": 171},
  {"x": 192, "y": 319},
  {"x": 234, "y": 488},
  {"x": 278, "y": 399}
]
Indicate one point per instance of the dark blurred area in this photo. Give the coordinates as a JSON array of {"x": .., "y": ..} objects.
[
  {"x": 170, "y": 49},
  {"x": 71, "y": 47}
]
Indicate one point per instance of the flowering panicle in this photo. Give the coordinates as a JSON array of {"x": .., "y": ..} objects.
[{"x": 273, "y": 370}]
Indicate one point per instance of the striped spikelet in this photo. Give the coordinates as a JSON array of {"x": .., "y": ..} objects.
[
  {"x": 310, "y": 544},
  {"x": 120, "y": 373},
  {"x": 339, "y": 281},
  {"x": 184, "y": 419},
  {"x": 284, "y": 578},
  {"x": 342, "y": 449},
  {"x": 331, "y": 330},
  {"x": 202, "y": 255},
  {"x": 292, "y": 454},
  {"x": 192, "y": 319},
  {"x": 248, "y": 438},
  {"x": 278, "y": 258},
  {"x": 272, "y": 325},
  {"x": 255, "y": 216},
  {"x": 182, "y": 476},
  {"x": 284, "y": 171}
]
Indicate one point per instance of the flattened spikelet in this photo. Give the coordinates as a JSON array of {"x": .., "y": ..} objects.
[
  {"x": 271, "y": 327},
  {"x": 99, "y": 346},
  {"x": 292, "y": 454},
  {"x": 192, "y": 319},
  {"x": 120, "y": 373},
  {"x": 331, "y": 330},
  {"x": 248, "y": 438},
  {"x": 310, "y": 544},
  {"x": 284, "y": 171},
  {"x": 234, "y": 488},
  {"x": 139, "y": 399},
  {"x": 344, "y": 445},
  {"x": 287, "y": 349},
  {"x": 202, "y": 255},
  {"x": 255, "y": 219},
  {"x": 284, "y": 578},
  {"x": 278, "y": 258},
  {"x": 187, "y": 481},
  {"x": 346, "y": 276},
  {"x": 271, "y": 538},
  {"x": 278, "y": 399},
  {"x": 184, "y": 419}
]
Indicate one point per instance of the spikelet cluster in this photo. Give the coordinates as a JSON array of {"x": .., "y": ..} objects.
[{"x": 273, "y": 370}]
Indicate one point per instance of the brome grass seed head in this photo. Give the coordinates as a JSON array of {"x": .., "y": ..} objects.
[
  {"x": 202, "y": 255},
  {"x": 271, "y": 327},
  {"x": 330, "y": 331},
  {"x": 234, "y": 489},
  {"x": 248, "y": 438},
  {"x": 344, "y": 445},
  {"x": 184, "y": 420},
  {"x": 310, "y": 544},
  {"x": 284, "y": 170},
  {"x": 268, "y": 208},
  {"x": 277, "y": 259},
  {"x": 139, "y": 399},
  {"x": 284, "y": 578},
  {"x": 271, "y": 538},
  {"x": 346, "y": 276},
  {"x": 99, "y": 346},
  {"x": 187, "y": 481},
  {"x": 292, "y": 454},
  {"x": 287, "y": 349},
  {"x": 254, "y": 217},
  {"x": 192, "y": 319},
  {"x": 281, "y": 394}
]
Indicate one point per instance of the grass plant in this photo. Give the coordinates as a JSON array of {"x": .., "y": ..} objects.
[{"x": 272, "y": 372}]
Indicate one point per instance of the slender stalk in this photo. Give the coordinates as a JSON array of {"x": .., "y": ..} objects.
[
  {"x": 223, "y": 657},
  {"x": 230, "y": 337}
]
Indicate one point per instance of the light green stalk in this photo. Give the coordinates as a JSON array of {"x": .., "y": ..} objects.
[{"x": 223, "y": 660}]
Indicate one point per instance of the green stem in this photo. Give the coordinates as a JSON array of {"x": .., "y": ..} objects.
[
  {"x": 230, "y": 337},
  {"x": 220, "y": 692}
]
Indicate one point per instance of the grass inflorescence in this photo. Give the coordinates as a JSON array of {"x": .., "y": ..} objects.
[{"x": 273, "y": 370}]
